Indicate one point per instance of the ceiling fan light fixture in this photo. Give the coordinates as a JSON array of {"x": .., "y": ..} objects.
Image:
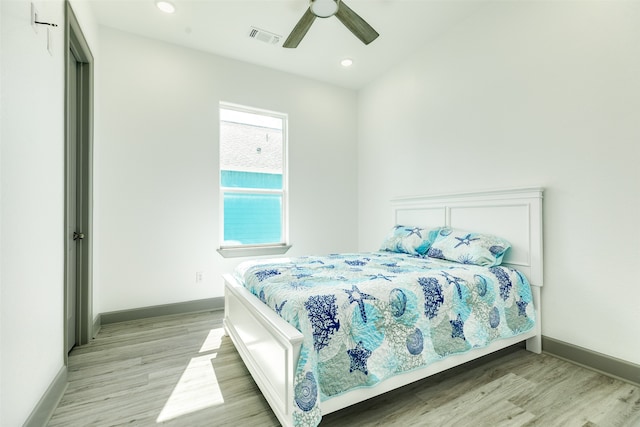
[
  {"x": 165, "y": 6},
  {"x": 324, "y": 8}
]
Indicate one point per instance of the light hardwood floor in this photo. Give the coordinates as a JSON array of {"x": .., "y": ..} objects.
[{"x": 181, "y": 371}]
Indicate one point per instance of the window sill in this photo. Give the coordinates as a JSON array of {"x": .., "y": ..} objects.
[{"x": 251, "y": 251}]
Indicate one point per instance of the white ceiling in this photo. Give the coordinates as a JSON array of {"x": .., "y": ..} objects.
[{"x": 222, "y": 27}]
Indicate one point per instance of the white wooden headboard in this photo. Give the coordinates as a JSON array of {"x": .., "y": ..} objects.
[{"x": 513, "y": 214}]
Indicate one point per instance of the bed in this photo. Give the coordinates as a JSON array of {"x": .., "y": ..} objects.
[{"x": 284, "y": 362}]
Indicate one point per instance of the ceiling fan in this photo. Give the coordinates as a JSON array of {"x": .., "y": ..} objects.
[{"x": 325, "y": 9}]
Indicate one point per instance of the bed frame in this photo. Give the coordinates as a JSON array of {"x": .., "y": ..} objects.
[{"x": 270, "y": 347}]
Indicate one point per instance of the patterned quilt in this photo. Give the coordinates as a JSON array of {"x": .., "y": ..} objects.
[{"x": 368, "y": 316}]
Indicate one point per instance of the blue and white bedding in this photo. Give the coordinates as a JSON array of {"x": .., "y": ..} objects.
[{"x": 368, "y": 316}]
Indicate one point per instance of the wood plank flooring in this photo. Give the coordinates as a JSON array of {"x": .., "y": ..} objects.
[{"x": 181, "y": 371}]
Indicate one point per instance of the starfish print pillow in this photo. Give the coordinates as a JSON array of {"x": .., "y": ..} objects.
[
  {"x": 468, "y": 248},
  {"x": 409, "y": 240}
]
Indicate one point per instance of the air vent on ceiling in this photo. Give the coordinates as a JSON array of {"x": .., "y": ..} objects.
[{"x": 264, "y": 36}]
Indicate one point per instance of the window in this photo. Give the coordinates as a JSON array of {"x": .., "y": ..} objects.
[{"x": 253, "y": 181}]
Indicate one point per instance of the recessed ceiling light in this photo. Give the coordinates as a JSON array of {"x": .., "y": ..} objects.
[
  {"x": 346, "y": 62},
  {"x": 165, "y": 6}
]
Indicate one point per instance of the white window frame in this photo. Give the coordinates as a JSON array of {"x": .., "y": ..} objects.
[{"x": 233, "y": 251}]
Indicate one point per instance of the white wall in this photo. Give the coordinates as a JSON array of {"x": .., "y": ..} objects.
[
  {"x": 527, "y": 93},
  {"x": 88, "y": 24},
  {"x": 32, "y": 194},
  {"x": 156, "y": 167},
  {"x": 1, "y": 244},
  {"x": 32, "y": 203}
]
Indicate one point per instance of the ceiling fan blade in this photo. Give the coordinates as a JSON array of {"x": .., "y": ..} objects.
[
  {"x": 356, "y": 24},
  {"x": 300, "y": 30}
]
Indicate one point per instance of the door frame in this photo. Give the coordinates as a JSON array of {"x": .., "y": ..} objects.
[{"x": 75, "y": 40}]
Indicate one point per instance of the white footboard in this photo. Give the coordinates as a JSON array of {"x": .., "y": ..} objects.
[{"x": 268, "y": 345}]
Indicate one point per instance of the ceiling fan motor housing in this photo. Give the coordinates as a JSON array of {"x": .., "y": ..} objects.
[{"x": 324, "y": 8}]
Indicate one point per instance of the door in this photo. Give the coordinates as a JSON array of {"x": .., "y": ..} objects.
[
  {"x": 73, "y": 232},
  {"x": 78, "y": 313}
]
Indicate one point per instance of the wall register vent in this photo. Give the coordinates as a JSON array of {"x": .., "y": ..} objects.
[{"x": 264, "y": 36}]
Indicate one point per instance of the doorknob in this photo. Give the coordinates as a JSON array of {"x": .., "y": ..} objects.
[{"x": 78, "y": 236}]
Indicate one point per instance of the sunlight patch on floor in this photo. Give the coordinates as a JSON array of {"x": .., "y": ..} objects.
[
  {"x": 198, "y": 386},
  {"x": 213, "y": 340}
]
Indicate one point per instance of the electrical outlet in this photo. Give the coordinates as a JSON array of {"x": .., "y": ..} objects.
[
  {"x": 34, "y": 17},
  {"x": 199, "y": 276}
]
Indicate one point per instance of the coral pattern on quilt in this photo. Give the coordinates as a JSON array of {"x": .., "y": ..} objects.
[{"x": 369, "y": 316}]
